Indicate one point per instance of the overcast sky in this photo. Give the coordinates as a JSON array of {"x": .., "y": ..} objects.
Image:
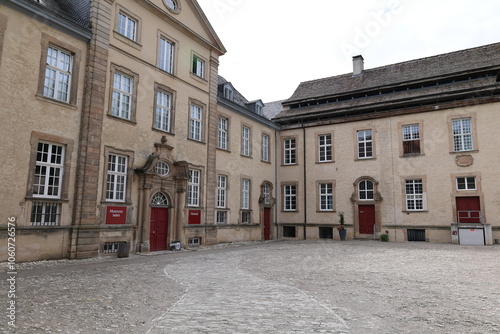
[{"x": 273, "y": 45}]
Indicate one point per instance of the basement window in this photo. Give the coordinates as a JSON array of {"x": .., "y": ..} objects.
[
  {"x": 289, "y": 232},
  {"x": 193, "y": 242}
]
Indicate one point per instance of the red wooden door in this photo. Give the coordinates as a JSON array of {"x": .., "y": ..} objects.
[
  {"x": 366, "y": 214},
  {"x": 267, "y": 223},
  {"x": 468, "y": 209},
  {"x": 158, "y": 229}
]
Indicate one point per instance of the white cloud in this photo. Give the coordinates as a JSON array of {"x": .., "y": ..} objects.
[{"x": 273, "y": 45}]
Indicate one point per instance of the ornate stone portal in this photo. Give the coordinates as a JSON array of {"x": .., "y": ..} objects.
[{"x": 162, "y": 185}]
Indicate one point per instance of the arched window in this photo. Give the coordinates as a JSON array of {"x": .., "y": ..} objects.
[
  {"x": 365, "y": 190},
  {"x": 159, "y": 199}
]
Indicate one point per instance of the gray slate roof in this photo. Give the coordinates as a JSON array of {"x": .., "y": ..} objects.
[
  {"x": 77, "y": 11},
  {"x": 452, "y": 76},
  {"x": 401, "y": 73}
]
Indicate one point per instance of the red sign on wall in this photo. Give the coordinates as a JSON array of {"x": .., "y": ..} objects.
[
  {"x": 194, "y": 217},
  {"x": 116, "y": 215}
]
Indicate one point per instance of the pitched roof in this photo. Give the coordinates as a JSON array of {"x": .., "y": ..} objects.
[
  {"x": 451, "y": 76},
  {"x": 443, "y": 65}
]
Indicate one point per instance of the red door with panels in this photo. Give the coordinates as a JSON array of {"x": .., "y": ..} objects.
[
  {"x": 158, "y": 232},
  {"x": 468, "y": 209},
  {"x": 366, "y": 214},
  {"x": 267, "y": 223}
]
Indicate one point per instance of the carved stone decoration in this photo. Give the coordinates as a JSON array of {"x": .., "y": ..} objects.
[{"x": 464, "y": 160}]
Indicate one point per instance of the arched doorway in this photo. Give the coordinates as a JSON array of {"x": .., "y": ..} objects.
[
  {"x": 158, "y": 232},
  {"x": 366, "y": 200}
]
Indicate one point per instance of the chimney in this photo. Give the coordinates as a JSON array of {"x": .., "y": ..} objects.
[{"x": 358, "y": 65}]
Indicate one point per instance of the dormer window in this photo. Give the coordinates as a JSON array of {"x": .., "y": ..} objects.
[
  {"x": 228, "y": 93},
  {"x": 259, "y": 109}
]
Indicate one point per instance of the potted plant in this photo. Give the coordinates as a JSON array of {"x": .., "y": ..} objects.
[{"x": 341, "y": 227}]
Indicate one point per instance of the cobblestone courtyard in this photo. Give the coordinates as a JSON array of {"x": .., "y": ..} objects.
[{"x": 278, "y": 287}]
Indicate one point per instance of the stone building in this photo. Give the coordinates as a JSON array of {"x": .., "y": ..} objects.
[
  {"x": 117, "y": 130},
  {"x": 43, "y": 54},
  {"x": 404, "y": 150}
]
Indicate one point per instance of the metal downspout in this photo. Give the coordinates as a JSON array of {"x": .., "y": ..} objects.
[{"x": 305, "y": 179}]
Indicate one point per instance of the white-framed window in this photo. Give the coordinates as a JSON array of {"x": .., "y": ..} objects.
[
  {"x": 462, "y": 134},
  {"x": 325, "y": 197},
  {"x": 365, "y": 144},
  {"x": 259, "y": 109},
  {"x": 159, "y": 199},
  {"x": 127, "y": 26},
  {"x": 365, "y": 190},
  {"x": 228, "y": 93},
  {"x": 193, "y": 193},
  {"x": 289, "y": 151},
  {"x": 246, "y": 217},
  {"x": 222, "y": 191},
  {"x": 265, "y": 148},
  {"x": 245, "y": 201},
  {"x": 245, "y": 141},
  {"x": 122, "y": 95},
  {"x": 116, "y": 178},
  {"x": 166, "y": 56},
  {"x": 325, "y": 148},
  {"x": 245, "y": 194},
  {"x": 49, "y": 168},
  {"x": 162, "y": 168},
  {"x": 57, "y": 81},
  {"x": 466, "y": 183},
  {"x": 411, "y": 139},
  {"x": 414, "y": 195},
  {"x": 198, "y": 66},
  {"x": 222, "y": 134},
  {"x": 195, "y": 122},
  {"x": 163, "y": 111},
  {"x": 266, "y": 193},
  {"x": 221, "y": 217},
  {"x": 289, "y": 197}
]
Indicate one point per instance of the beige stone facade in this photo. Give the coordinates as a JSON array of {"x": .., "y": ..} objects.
[
  {"x": 40, "y": 128},
  {"x": 410, "y": 151},
  {"x": 118, "y": 131}
]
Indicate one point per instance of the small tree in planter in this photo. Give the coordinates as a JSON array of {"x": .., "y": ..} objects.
[{"x": 341, "y": 227}]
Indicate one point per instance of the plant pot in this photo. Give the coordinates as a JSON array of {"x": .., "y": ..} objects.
[{"x": 342, "y": 234}]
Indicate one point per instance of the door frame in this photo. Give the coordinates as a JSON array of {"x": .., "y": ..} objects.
[{"x": 376, "y": 202}]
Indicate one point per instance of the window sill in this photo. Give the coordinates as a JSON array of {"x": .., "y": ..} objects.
[
  {"x": 365, "y": 159},
  {"x": 121, "y": 119},
  {"x": 126, "y": 40},
  {"x": 197, "y": 78},
  {"x": 464, "y": 152},
  {"x": 413, "y": 211},
  {"x": 114, "y": 203},
  {"x": 163, "y": 131},
  {"x": 325, "y": 162},
  {"x": 289, "y": 165},
  {"x": 46, "y": 199},
  {"x": 197, "y": 141},
  {"x": 54, "y": 101},
  {"x": 416, "y": 155}
]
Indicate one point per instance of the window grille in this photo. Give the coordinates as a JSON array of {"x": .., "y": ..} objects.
[{"x": 45, "y": 214}]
